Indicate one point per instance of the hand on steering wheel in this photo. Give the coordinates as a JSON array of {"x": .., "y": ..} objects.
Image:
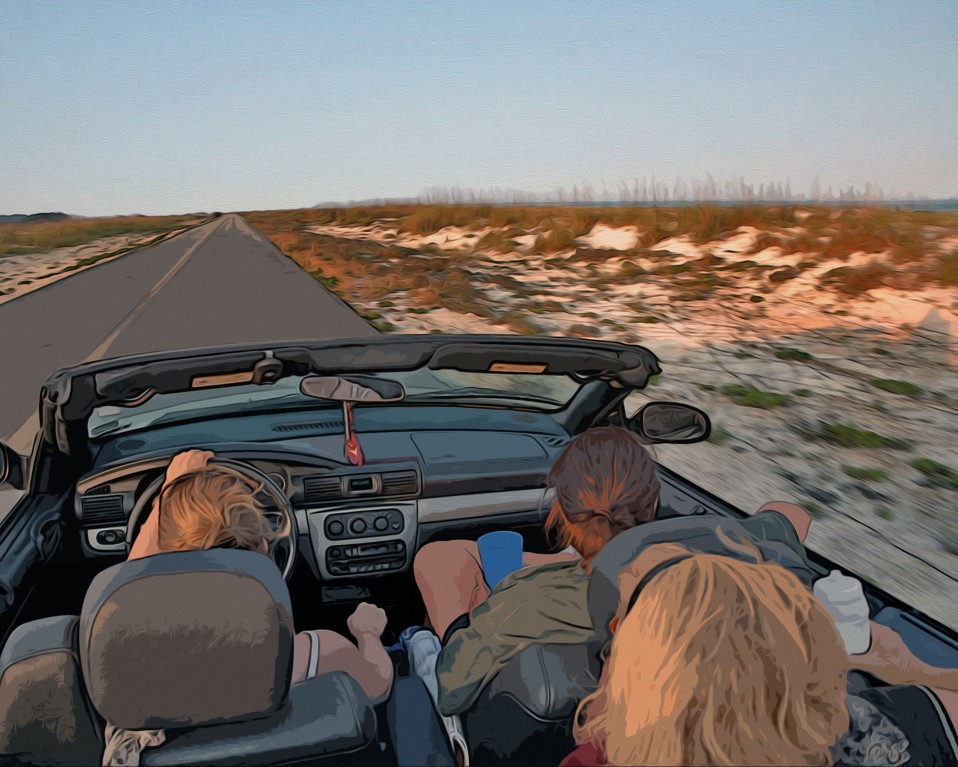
[
  {"x": 282, "y": 550},
  {"x": 187, "y": 462}
]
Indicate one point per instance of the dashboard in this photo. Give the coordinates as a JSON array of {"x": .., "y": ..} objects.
[{"x": 353, "y": 521}]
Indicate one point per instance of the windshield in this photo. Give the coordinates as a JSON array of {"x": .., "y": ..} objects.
[{"x": 541, "y": 392}]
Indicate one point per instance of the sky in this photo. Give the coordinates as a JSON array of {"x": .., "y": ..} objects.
[{"x": 111, "y": 108}]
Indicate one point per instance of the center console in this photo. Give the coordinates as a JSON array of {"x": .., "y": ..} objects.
[{"x": 364, "y": 541}]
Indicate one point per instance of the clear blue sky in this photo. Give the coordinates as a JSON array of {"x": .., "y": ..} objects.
[{"x": 111, "y": 108}]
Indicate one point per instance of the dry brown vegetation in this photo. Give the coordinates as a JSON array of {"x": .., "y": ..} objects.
[
  {"x": 905, "y": 247},
  {"x": 43, "y": 236}
]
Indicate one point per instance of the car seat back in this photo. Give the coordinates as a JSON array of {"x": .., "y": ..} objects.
[
  {"x": 187, "y": 638},
  {"x": 45, "y": 715},
  {"x": 524, "y": 715}
]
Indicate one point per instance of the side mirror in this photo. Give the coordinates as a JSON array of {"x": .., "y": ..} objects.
[
  {"x": 11, "y": 467},
  {"x": 671, "y": 423}
]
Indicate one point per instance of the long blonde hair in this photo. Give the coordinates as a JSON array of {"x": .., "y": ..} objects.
[
  {"x": 719, "y": 662},
  {"x": 215, "y": 506}
]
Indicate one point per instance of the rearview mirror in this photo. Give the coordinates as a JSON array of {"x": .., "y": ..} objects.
[
  {"x": 356, "y": 388},
  {"x": 671, "y": 422},
  {"x": 11, "y": 467}
]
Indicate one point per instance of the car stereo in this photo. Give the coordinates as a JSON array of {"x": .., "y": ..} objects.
[{"x": 363, "y": 541}]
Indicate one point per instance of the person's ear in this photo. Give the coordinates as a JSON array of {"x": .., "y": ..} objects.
[{"x": 614, "y": 624}]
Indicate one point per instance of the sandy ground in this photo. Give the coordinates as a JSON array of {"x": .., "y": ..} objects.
[
  {"x": 23, "y": 274},
  {"x": 895, "y": 527}
]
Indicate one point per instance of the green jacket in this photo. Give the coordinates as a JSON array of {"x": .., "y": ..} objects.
[
  {"x": 539, "y": 605},
  {"x": 544, "y": 604}
]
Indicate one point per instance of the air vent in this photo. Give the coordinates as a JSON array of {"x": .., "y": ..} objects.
[
  {"x": 102, "y": 510},
  {"x": 400, "y": 483},
  {"x": 316, "y": 427},
  {"x": 322, "y": 488},
  {"x": 98, "y": 490},
  {"x": 555, "y": 441}
]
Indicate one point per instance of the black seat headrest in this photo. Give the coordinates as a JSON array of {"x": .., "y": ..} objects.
[{"x": 187, "y": 638}]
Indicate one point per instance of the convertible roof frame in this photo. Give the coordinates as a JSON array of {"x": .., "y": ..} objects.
[{"x": 70, "y": 394}]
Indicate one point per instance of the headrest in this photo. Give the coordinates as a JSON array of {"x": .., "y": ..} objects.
[
  {"x": 702, "y": 534},
  {"x": 187, "y": 638}
]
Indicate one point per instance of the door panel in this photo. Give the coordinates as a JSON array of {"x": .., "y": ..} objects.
[{"x": 29, "y": 536}]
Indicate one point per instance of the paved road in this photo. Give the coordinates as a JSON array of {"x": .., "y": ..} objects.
[{"x": 219, "y": 283}]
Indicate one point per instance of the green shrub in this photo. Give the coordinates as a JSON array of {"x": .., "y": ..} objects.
[
  {"x": 864, "y": 473},
  {"x": 328, "y": 282},
  {"x": 803, "y": 392},
  {"x": 896, "y": 387},
  {"x": 937, "y": 473},
  {"x": 757, "y": 299},
  {"x": 793, "y": 354},
  {"x": 719, "y": 436},
  {"x": 847, "y": 435},
  {"x": 749, "y": 396},
  {"x": 884, "y": 512}
]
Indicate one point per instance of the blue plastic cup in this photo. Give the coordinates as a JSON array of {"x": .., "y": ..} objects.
[{"x": 500, "y": 554}]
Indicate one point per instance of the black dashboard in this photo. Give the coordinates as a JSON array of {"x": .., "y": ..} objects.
[{"x": 423, "y": 466}]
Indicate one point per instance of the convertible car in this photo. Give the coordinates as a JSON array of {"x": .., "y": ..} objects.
[{"x": 370, "y": 448}]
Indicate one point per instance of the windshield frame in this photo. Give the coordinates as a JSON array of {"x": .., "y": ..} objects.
[{"x": 111, "y": 420}]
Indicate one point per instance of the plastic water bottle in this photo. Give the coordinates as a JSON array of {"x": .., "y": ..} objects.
[{"x": 845, "y": 600}]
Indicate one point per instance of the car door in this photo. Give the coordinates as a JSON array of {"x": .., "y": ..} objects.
[{"x": 30, "y": 535}]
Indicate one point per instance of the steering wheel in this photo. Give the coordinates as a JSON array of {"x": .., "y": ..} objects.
[{"x": 282, "y": 550}]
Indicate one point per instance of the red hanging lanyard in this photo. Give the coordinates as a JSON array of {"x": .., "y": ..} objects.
[{"x": 354, "y": 453}]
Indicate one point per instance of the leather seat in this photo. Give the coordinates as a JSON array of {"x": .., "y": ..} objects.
[
  {"x": 524, "y": 715},
  {"x": 199, "y": 644}
]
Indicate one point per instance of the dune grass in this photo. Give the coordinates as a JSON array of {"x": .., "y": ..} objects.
[
  {"x": 370, "y": 271},
  {"x": 44, "y": 236}
]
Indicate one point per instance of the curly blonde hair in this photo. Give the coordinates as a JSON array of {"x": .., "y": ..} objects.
[
  {"x": 719, "y": 662},
  {"x": 215, "y": 506}
]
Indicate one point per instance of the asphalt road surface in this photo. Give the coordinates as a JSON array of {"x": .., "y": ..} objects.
[{"x": 219, "y": 283}]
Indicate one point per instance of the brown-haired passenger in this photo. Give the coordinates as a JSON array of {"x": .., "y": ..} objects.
[
  {"x": 605, "y": 482},
  {"x": 719, "y": 661},
  {"x": 205, "y": 506}
]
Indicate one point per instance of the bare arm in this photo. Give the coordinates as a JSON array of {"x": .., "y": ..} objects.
[
  {"x": 147, "y": 539},
  {"x": 366, "y": 661},
  {"x": 146, "y": 543},
  {"x": 890, "y": 659},
  {"x": 801, "y": 520}
]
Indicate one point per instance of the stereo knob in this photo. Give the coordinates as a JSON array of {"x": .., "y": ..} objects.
[
  {"x": 358, "y": 525},
  {"x": 335, "y": 528},
  {"x": 381, "y": 523}
]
